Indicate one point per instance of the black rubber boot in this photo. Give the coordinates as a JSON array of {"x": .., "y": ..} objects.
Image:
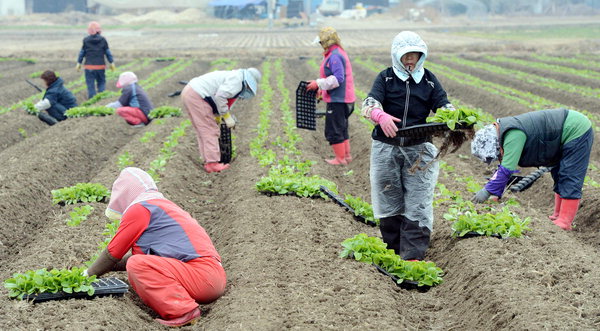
[
  {"x": 390, "y": 231},
  {"x": 47, "y": 118},
  {"x": 414, "y": 240}
]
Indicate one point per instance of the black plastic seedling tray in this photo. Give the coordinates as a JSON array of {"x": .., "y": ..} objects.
[
  {"x": 306, "y": 107},
  {"x": 102, "y": 287},
  {"x": 406, "y": 284},
  {"x": 344, "y": 205},
  {"x": 525, "y": 182},
  {"x": 225, "y": 144},
  {"x": 423, "y": 130},
  {"x": 474, "y": 234}
]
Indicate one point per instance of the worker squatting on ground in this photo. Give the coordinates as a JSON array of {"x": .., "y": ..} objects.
[
  {"x": 208, "y": 100},
  {"x": 94, "y": 49},
  {"x": 56, "y": 100},
  {"x": 336, "y": 85},
  {"x": 557, "y": 138},
  {"x": 170, "y": 260},
  {"x": 404, "y": 170},
  {"x": 133, "y": 105}
]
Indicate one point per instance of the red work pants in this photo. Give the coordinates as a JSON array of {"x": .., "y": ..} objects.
[
  {"x": 203, "y": 119},
  {"x": 172, "y": 287},
  {"x": 132, "y": 115}
]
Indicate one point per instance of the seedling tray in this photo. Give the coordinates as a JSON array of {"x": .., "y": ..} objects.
[
  {"x": 306, "y": 107},
  {"x": 338, "y": 200},
  {"x": 102, "y": 287},
  {"x": 423, "y": 130},
  {"x": 225, "y": 144},
  {"x": 473, "y": 234},
  {"x": 523, "y": 183},
  {"x": 406, "y": 284}
]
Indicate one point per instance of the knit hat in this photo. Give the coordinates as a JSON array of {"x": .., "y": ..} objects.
[
  {"x": 94, "y": 28},
  {"x": 485, "y": 145},
  {"x": 126, "y": 78}
]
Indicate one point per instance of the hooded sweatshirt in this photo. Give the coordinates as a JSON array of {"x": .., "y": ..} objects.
[
  {"x": 93, "y": 50},
  {"x": 151, "y": 224},
  {"x": 60, "y": 98},
  {"x": 408, "y": 95}
]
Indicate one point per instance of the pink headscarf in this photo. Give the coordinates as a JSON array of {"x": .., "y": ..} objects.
[
  {"x": 132, "y": 186},
  {"x": 94, "y": 28},
  {"x": 126, "y": 78}
]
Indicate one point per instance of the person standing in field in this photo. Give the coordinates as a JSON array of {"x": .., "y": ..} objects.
[
  {"x": 133, "y": 105},
  {"x": 557, "y": 138},
  {"x": 94, "y": 49},
  {"x": 404, "y": 170},
  {"x": 208, "y": 100},
  {"x": 336, "y": 86},
  {"x": 170, "y": 260},
  {"x": 56, "y": 100}
]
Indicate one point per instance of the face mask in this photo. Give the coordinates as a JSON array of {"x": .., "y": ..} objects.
[{"x": 246, "y": 93}]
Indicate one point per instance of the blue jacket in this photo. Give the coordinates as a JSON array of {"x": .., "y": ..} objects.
[
  {"x": 60, "y": 99},
  {"x": 94, "y": 48}
]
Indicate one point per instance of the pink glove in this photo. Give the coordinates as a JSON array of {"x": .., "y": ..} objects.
[
  {"x": 385, "y": 121},
  {"x": 312, "y": 85}
]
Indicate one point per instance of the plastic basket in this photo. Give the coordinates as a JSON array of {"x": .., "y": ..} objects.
[
  {"x": 225, "y": 144},
  {"x": 306, "y": 107},
  {"x": 102, "y": 287}
]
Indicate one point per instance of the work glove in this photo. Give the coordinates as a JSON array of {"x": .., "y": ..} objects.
[
  {"x": 312, "y": 85},
  {"x": 229, "y": 120},
  {"x": 78, "y": 67},
  {"x": 113, "y": 67},
  {"x": 481, "y": 196},
  {"x": 385, "y": 121},
  {"x": 42, "y": 105}
]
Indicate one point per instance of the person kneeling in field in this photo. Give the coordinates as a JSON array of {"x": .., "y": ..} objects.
[
  {"x": 208, "y": 100},
  {"x": 56, "y": 100},
  {"x": 172, "y": 263},
  {"x": 558, "y": 138},
  {"x": 133, "y": 105}
]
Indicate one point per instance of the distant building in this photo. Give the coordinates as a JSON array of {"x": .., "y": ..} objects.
[{"x": 22, "y": 7}]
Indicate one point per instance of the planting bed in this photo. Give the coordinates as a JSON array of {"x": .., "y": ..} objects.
[{"x": 281, "y": 253}]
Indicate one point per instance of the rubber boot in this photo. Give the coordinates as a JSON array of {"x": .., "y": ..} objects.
[
  {"x": 348, "y": 156},
  {"x": 215, "y": 167},
  {"x": 190, "y": 317},
  {"x": 44, "y": 117},
  {"x": 390, "y": 232},
  {"x": 340, "y": 154},
  {"x": 557, "y": 202},
  {"x": 568, "y": 209},
  {"x": 414, "y": 240}
]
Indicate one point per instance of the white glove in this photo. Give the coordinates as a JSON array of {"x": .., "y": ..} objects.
[
  {"x": 42, "y": 105},
  {"x": 229, "y": 120},
  {"x": 85, "y": 273},
  {"x": 114, "y": 105}
]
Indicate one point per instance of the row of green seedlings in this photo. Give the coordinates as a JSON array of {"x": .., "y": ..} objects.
[
  {"x": 468, "y": 220},
  {"x": 471, "y": 219},
  {"x": 585, "y": 60},
  {"x": 530, "y": 100},
  {"x": 585, "y": 73},
  {"x": 35, "y": 282},
  {"x": 28, "y": 103},
  {"x": 533, "y": 79},
  {"x": 363, "y": 249}
]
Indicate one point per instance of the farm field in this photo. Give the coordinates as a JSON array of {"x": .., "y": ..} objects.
[{"x": 281, "y": 253}]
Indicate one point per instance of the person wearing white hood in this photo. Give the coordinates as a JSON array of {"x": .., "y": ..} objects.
[
  {"x": 208, "y": 100},
  {"x": 404, "y": 95}
]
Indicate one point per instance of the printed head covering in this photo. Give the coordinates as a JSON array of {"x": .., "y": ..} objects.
[
  {"x": 485, "y": 145},
  {"x": 251, "y": 78},
  {"x": 406, "y": 42},
  {"x": 132, "y": 186},
  {"x": 94, "y": 28},
  {"x": 328, "y": 37},
  {"x": 126, "y": 78}
]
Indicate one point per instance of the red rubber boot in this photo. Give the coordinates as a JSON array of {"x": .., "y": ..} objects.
[
  {"x": 568, "y": 209},
  {"x": 348, "y": 156},
  {"x": 190, "y": 317},
  {"x": 340, "y": 154},
  {"x": 215, "y": 167},
  {"x": 557, "y": 202}
]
